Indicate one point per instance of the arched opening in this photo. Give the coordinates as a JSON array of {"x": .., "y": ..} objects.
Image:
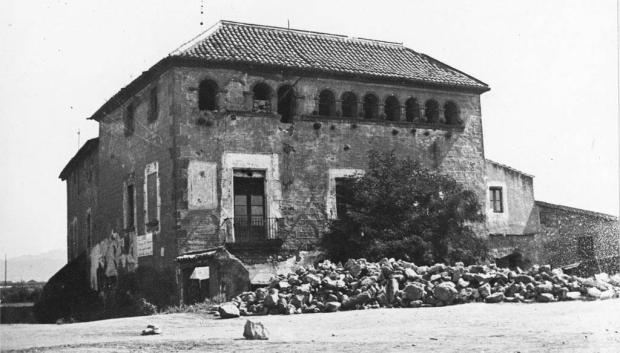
[
  {"x": 392, "y": 108},
  {"x": 286, "y": 103},
  {"x": 431, "y": 111},
  {"x": 207, "y": 95},
  {"x": 412, "y": 109},
  {"x": 327, "y": 103},
  {"x": 451, "y": 113},
  {"x": 371, "y": 108},
  {"x": 261, "y": 101},
  {"x": 349, "y": 105}
]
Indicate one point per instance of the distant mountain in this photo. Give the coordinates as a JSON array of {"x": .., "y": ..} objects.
[{"x": 38, "y": 267}]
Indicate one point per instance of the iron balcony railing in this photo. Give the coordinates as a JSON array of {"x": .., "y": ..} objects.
[{"x": 251, "y": 229}]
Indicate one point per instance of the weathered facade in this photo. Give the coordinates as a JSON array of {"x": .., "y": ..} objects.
[
  {"x": 524, "y": 231},
  {"x": 239, "y": 138}
]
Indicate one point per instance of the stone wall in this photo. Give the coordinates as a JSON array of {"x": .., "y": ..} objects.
[
  {"x": 307, "y": 149},
  {"x": 81, "y": 202},
  {"x": 562, "y": 227},
  {"x": 123, "y": 160}
]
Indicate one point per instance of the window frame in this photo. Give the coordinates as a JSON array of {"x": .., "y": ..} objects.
[{"x": 494, "y": 201}]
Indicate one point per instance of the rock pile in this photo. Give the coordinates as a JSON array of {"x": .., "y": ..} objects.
[{"x": 360, "y": 284}]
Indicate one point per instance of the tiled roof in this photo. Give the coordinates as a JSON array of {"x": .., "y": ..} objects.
[
  {"x": 233, "y": 42},
  {"x": 87, "y": 148}
]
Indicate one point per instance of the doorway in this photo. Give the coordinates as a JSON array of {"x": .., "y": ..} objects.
[{"x": 249, "y": 205}]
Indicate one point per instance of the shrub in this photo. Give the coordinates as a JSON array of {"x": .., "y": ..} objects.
[{"x": 400, "y": 209}]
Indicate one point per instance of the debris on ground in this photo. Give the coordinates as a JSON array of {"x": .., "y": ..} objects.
[
  {"x": 228, "y": 310},
  {"x": 151, "y": 330},
  {"x": 255, "y": 331},
  {"x": 359, "y": 284}
]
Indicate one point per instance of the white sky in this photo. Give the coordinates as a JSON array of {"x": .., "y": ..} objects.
[{"x": 552, "y": 67}]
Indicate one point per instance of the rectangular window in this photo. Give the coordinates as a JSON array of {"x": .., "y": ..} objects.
[
  {"x": 151, "y": 196},
  {"x": 129, "y": 119},
  {"x": 585, "y": 247},
  {"x": 151, "y": 192},
  {"x": 153, "y": 105},
  {"x": 130, "y": 208},
  {"x": 497, "y": 199},
  {"x": 341, "y": 196}
]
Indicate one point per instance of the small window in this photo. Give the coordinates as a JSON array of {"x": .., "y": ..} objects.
[
  {"x": 327, "y": 103},
  {"x": 261, "y": 102},
  {"x": 392, "y": 109},
  {"x": 371, "y": 108},
  {"x": 153, "y": 105},
  {"x": 130, "y": 207},
  {"x": 349, "y": 105},
  {"x": 451, "y": 113},
  {"x": 412, "y": 110},
  {"x": 207, "y": 95},
  {"x": 286, "y": 103},
  {"x": 431, "y": 111},
  {"x": 129, "y": 119},
  {"x": 497, "y": 199}
]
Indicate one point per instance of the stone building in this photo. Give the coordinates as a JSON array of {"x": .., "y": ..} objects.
[{"x": 237, "y": 141}]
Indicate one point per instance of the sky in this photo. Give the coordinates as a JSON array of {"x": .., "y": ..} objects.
[{"x": 552, "y": 67}]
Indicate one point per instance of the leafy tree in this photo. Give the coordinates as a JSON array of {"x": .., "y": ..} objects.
[{"x": 400, "y": 209}]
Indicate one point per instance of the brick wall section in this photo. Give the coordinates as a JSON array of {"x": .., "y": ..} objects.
[
  {"x": 561, "y": 227},
  {"x": 305, "y": 151},
  {"x": 123, "y": 158}
]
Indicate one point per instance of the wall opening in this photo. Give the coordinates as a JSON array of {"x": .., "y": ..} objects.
[
  {"x": 327, "y": 103},
  {"x": 261, "y": 100},
  {"x": 497, "y": 199},
  {"x": 392, "y": 108},
  {"x": 451, "y": 113},
  {"x": 431, "y": 111},
  {"x": 130, "y": 208},
  {"x": 207, "y": 95},
  {"x": 371, "y": 108},
  {"x": 249, "y": 205},
  {"x": 412, "y": 110},
  {"x": 349, "y": 105},
  {"x": 286, "y": 103}
]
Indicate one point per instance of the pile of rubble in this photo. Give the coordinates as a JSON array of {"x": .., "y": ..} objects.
[{"x": 362, "y": 285}]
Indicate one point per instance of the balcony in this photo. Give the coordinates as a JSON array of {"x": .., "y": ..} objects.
[{"x": 253, "y": 232}]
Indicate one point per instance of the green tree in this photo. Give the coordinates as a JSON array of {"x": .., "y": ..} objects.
[{"x": 400, "y": 209}]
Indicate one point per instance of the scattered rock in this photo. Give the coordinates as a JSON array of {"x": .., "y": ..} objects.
[
  {"x": 255, "y": 331},
  {"x": 359, "y": 284},
  {"x": 151, "y": 330},
  {"x": 497, "y": 297},
  {"x": 445, "y": 292},
  {"x": 228, "y": 310}
]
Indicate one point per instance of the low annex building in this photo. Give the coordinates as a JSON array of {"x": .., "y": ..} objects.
[{"x": 232, "y": 147}]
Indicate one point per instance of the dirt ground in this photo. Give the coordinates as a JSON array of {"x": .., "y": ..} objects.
[{"x": 556, "y": 327}]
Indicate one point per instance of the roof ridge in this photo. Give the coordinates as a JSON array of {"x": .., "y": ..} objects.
[
  {"x": 317, "y": 33},
  {"x": 508, "y": 167}
]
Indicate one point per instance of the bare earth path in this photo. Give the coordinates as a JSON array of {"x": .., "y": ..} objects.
[{"x": 556, "y": 327}]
